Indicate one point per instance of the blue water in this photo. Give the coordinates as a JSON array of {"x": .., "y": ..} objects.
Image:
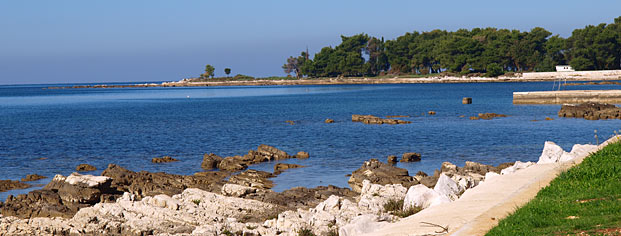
[{"x": 129, "y": 126}]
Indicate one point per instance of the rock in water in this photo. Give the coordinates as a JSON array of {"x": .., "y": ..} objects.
[
  {"x": 164, "y": 159},
  {"x": 392, "y": 159},
  {"x": 33, "y": 177},
  {"x": 85, "y": 167},
  {"x": 210, "y": 161},
  {"x": 410, "y": 157},
  {"x": 369, "y": 119},
  {"x": 466, "y": 100},
  {"x": 590, "y": 111},
  {"x": 329, "y": 121},
  {"x": 6, "y": 185},
  {"x": 302, "y": 155},
  {"x": 278, "y": 168},
  {"x": 379, "y": 173}
]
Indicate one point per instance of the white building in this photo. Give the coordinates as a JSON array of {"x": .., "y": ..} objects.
[{"x": 564, "y": 68}]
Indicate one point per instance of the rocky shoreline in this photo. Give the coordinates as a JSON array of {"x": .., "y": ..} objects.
[
  {"x": 124, "y": 202},
  {"x": 524, "y": 77}
]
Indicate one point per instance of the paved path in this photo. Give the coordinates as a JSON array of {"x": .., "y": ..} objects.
[{"x": 479, "y": 209}]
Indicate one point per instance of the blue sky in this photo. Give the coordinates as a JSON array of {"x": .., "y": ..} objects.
[{"x": 61, "y": 41}]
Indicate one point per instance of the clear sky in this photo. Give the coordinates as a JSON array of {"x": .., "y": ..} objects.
[{"x": 61, "y": 41}]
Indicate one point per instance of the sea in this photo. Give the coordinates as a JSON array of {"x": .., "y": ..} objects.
[{"x": 51, "y": 131}]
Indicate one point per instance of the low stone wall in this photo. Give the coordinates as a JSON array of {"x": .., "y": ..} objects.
[
  {"x": 568, "y": 96},
  {"x": 573, "y": 75}
]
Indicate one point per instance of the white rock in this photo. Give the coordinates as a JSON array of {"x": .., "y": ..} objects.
[
  {"x": 515, "y": 167},
  {"x": 578, "y": 150},
  {"x": 448, "y": 187},
  {"x": 421, "y": 196},
  {"x": 491, "y": 175},
  {"x": 374, "y": 196},
  {"x": 361, "y": 225},
  {"x": 89, "y": 180},
  {"x": 236, "y": 190},
  {"x": 551, "y": 153}
]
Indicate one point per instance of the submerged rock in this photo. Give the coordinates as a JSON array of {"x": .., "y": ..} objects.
[
  {"x": 85, "y": 167},
  {"x": 379, "y": 173},
  {"x": 164, "y": 159},
  {"x": 302, "y": 155},
  {"x": 369, "y": 119},
  {"x": 33, "y": 177},
  {"x": 6, "y": 185},
  {"x": 278, "y": 168}
]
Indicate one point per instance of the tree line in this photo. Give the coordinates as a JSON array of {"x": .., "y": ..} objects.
[{"x": 490, "y": 50}]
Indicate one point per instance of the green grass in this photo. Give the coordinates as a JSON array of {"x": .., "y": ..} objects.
[
  {"x": 395, "y": 207},
  {"x": 585, "y": 199}
]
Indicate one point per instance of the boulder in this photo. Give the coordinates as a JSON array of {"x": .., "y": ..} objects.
[
  {"x": 278, "y": 168},
  {"x": 590, "y": 111},
  {"x": 163, "y": 159},
  {"x": 85, "y": 167},
  {"x": 392, "y": 159},
  {"x": 210, "y": 161},
  {"x": 466, "y": 100},
  {"x": 6, "y": 185},
  {"x": 422, "y": 197},
  {"x": 33, "y": 177},
  {"x": 551, "y": 153},
  {"x": 77, "y": 188},
  {"x": 578, "y": 150},
  {"x": 235, "y": 163},
  {"x": 410, "y": 157},
  {"x": 374, "y": 196},
  {"x": 236, "y": 190},
  {"x": 254, "y": 179},
  {"x": 302, "y": 155},
  {"x": 379, "y": 173},
  {"x": 448, "y": 188}
]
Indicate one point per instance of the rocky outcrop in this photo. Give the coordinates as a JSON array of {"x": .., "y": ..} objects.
[
  {"x": 487, "y": 116},
  {"x": 33, "y": 177},
  {"x": 163, "y": 159},
  {"x": 6, "y": 185},
  {"x": 144, "y": 183},
  {"x": 254, "y": 179},
  {"x": 85, "y": 167},
  {"x": 553, "y": 153},
  {"x": 379, "y": 173},
  {"x": 410, "y": 157},
  {"x": 369, "y": 119},
  {"x": 302, "y": 155},
  {"x": 63, "y": 196},
  {"x": 262, "y": 154},
  {"x": 210, "y": 161},
  {"x": 590, "y": 111},
  {"x": 278, "y": 168}
]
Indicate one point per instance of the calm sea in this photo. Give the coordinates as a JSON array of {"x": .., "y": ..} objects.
[{"x": 129, "y": 126}]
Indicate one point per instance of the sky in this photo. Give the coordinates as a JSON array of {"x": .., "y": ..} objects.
[{"x": 77, "y": 41}]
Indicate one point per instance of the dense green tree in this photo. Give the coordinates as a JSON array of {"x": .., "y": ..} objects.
[
  {"x": 482, "y": 50},
  {"x": 227, "y": 71},
  {"x": 209, "y": 71}
]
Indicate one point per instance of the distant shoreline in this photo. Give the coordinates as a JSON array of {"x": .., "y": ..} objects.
[{"x": 525, "y": 77}]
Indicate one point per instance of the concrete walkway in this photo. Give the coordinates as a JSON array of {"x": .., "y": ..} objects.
[{"x": 479, "y": 209}]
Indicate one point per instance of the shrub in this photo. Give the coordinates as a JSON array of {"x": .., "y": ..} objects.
[
  {"x": 395, "y": 207},
  {"x": 494, "y": 70},
  {"x": 305, "y": 232}
]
